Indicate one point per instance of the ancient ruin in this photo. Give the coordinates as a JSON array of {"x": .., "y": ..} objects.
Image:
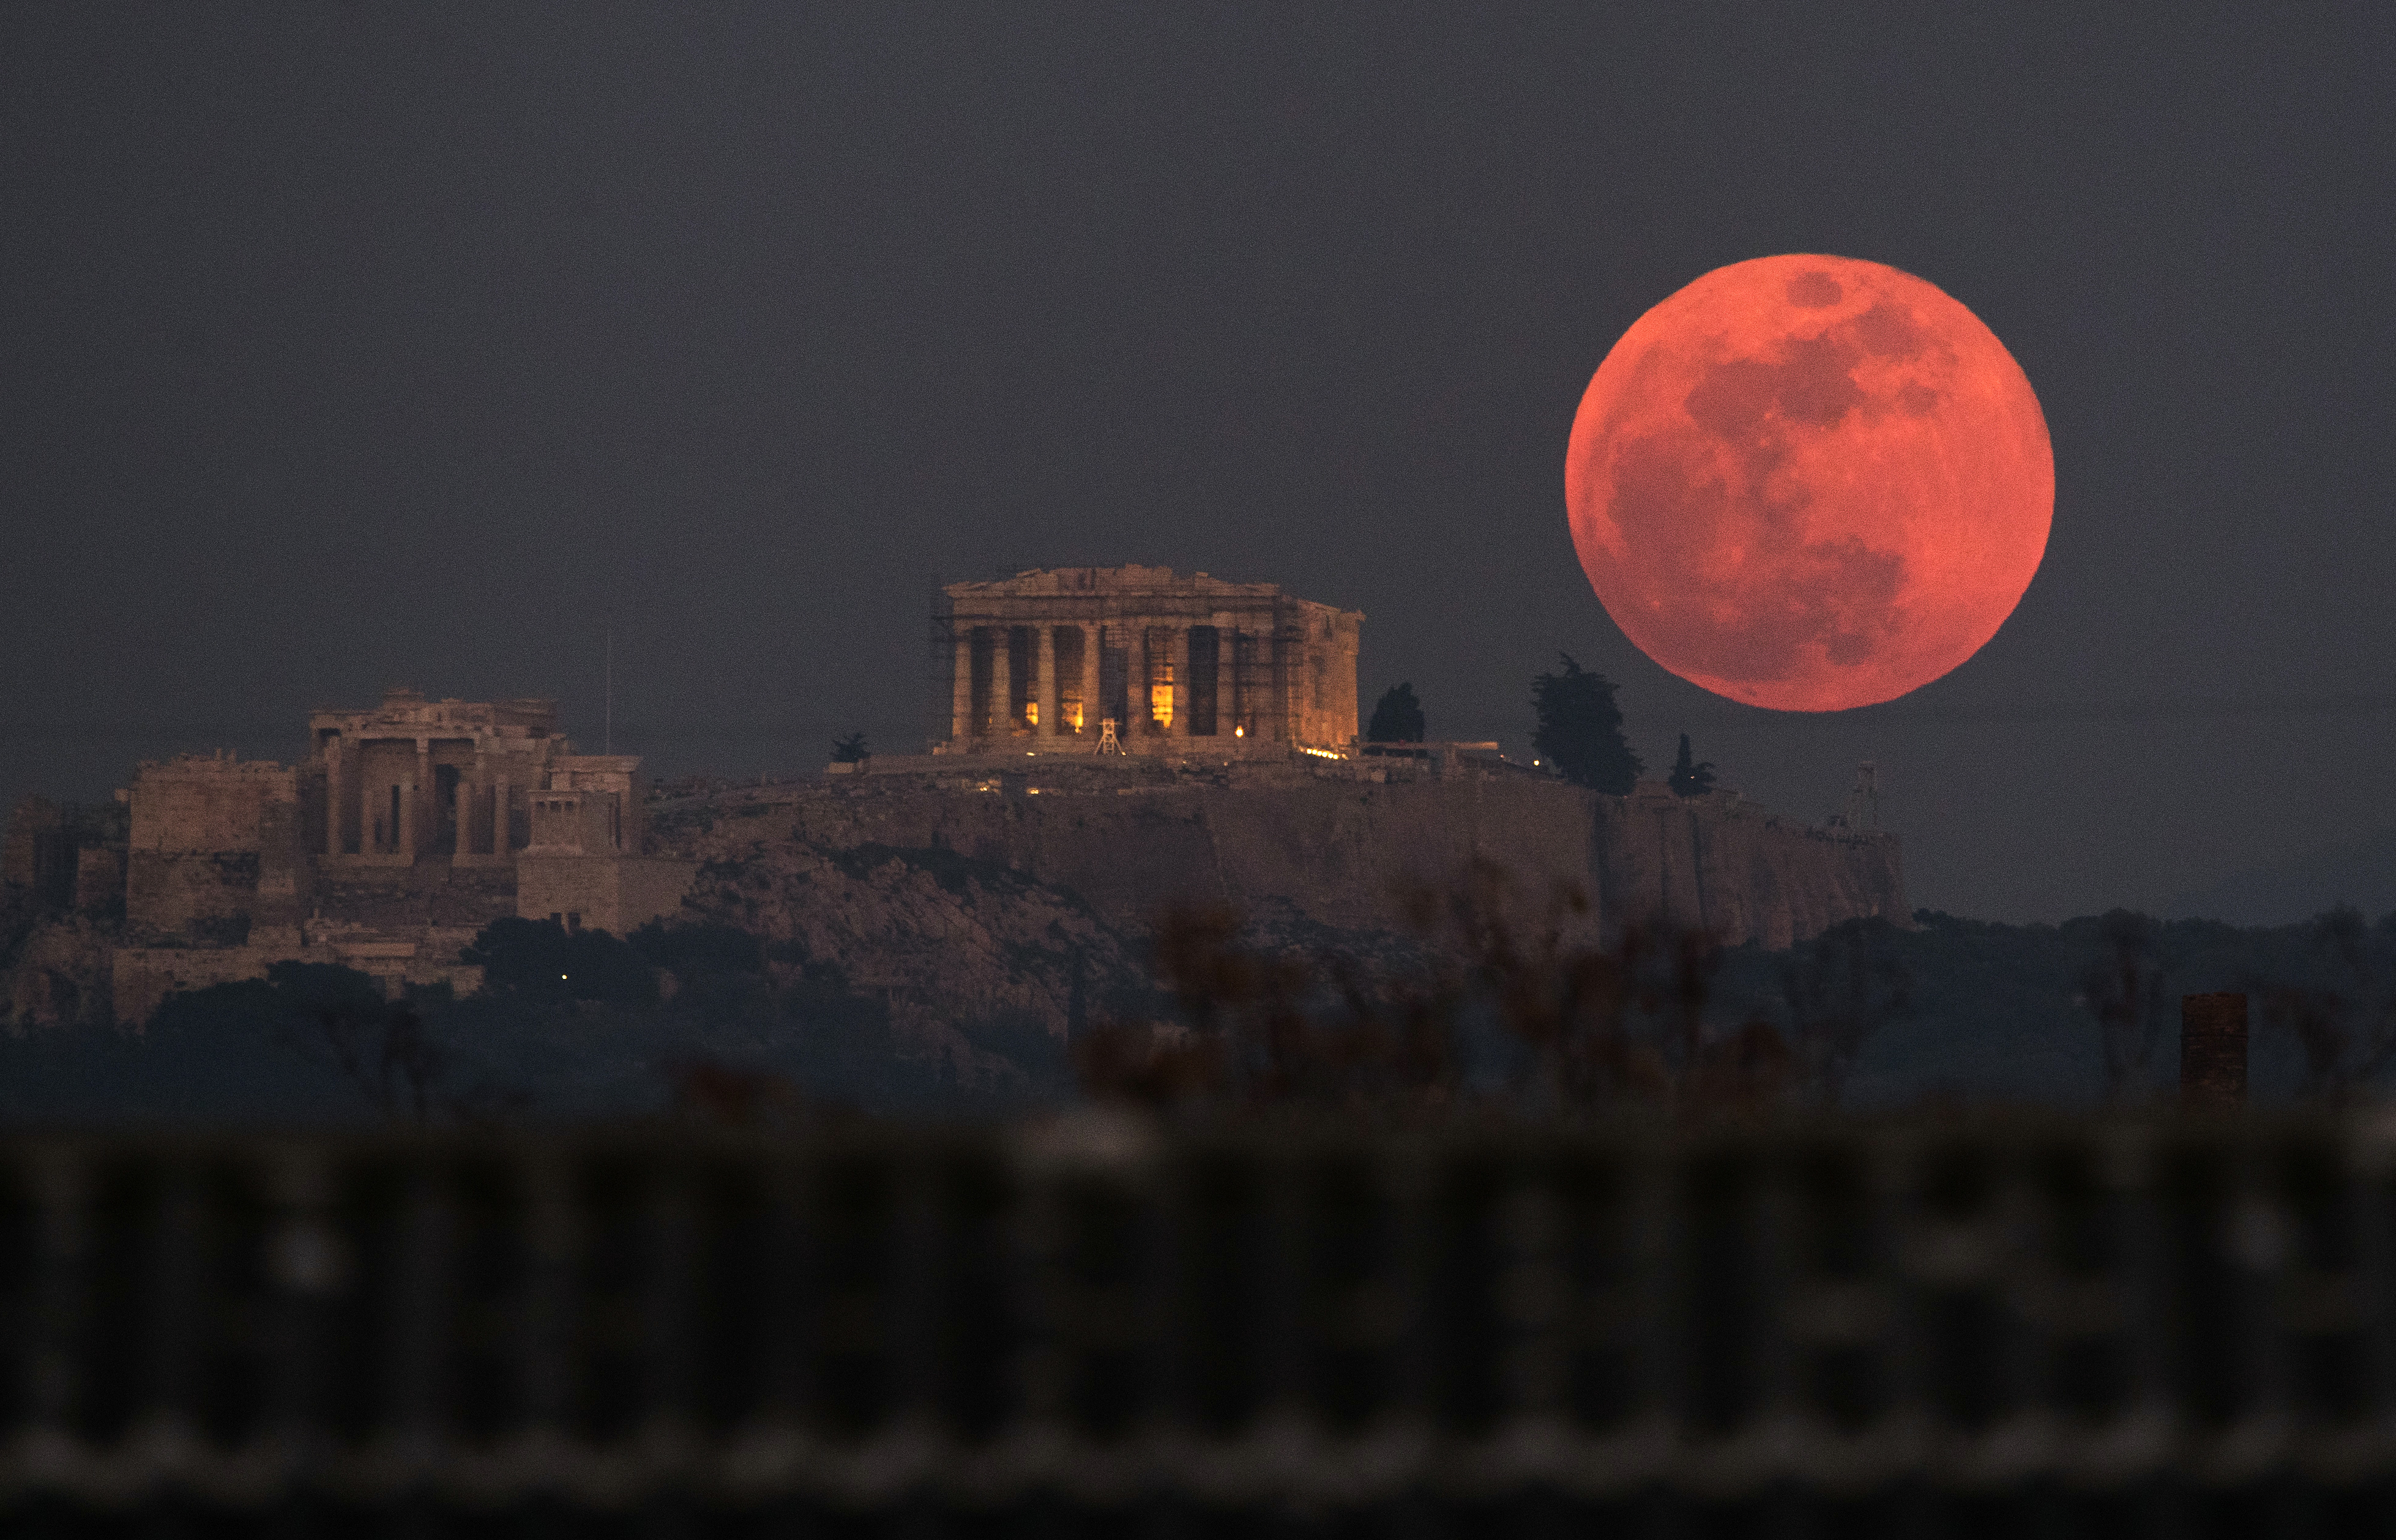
[
  {"x": 1008, "y": 872},
  {"x": 1050, "y": 656},
  {"x": 409, "y": 826}
]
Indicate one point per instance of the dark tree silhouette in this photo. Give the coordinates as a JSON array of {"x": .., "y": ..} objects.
[
  {"x": 2345, "y": 1021},
  {"x": 2123, "y": 990},
  {"x": 1691, "y": 781},
  {"x": 1840, "y": 991},
  {"x": 540, "y": 959},
  {"x": 1398, "y": 718},
  {"x": 1581, "y": 729},
  {"x": 850, "y": 749},
  {"x": 339, "y": 1019},
  {"x": 1590, "y": 1025}
]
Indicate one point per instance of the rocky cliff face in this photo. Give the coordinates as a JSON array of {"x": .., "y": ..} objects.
[
  {"x": 1336, "y": 849},
  {"x": 945, "y": 941},
  {"x": 1727, "y": 866},
  {"x": 60, "y": 976},
  {"x": 1028, "y": 896}
]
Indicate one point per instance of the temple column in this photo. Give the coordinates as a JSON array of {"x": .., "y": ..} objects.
[
  {"x": 1003, "y": 719},
  {"x": 479, "y": 779},
  {"x": 1093, "y": 641},
  {"x": 333, "y": 796},
  {"x": 1180, "y": 655},
  {"x": 500, "y": 817},
  {"x": 403, "y": 839},
  {"x": 961, "y": 723},
  {"x": 1139, "y": 684},
  {"x": 1044, "y": 683},
  {"x": 1277, "y": 694},
  {"x": 464, "y": 799},
  {"x": 425, "y": 818},
  {"x": 1230, "y": 697}
]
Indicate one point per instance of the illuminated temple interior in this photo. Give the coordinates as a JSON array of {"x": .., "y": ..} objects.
[{"x": 1178, "y": 664}]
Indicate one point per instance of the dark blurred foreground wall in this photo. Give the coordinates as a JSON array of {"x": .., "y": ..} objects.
[{"x": 1989, "y": 1327}]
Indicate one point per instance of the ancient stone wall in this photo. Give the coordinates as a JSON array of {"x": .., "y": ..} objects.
[
  {"x": 408, "y": 898},
  {"x": 142, "y": 978},
  {"x": 1728, "y": 866},
  {"x": 219, "y": 852},
  {"x": 616, "y": 893},
  {"x": 99, "y": 879},
  {"x": 202, "y": 803},
  {"x": 191, "y": 897}
]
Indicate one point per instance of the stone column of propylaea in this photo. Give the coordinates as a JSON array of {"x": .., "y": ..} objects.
[
  {"x": 961, "y": 723},
  {"x": 500, "y": 817},
  {"x": 425, "y": 819},
  {"x": 1093, "y": 649},
  {"x": 333, "y": 795}
]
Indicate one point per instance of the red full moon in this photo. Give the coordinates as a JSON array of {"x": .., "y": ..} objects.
[{"x": 1809, "y": 483}]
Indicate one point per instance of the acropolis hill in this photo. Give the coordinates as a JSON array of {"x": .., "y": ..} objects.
[
  {"x": 1121, "y": 739},
  {"x": 1242, "y": 780}
]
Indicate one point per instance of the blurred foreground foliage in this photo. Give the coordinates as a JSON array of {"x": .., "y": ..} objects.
[
  {"x": 1500, "y": 1001},
  {"x": 1513, "y": 1004}
]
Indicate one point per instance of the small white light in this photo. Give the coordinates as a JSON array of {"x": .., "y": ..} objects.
[{"x": 561, "y": 977}]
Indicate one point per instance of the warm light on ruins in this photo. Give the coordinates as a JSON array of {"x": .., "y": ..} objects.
[{"x": 1170, "y": 657}]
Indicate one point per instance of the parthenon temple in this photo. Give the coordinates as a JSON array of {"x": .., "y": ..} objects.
[{"x": 1048, "y": 658}]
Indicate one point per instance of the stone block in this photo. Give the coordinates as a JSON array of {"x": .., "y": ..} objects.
[{"x": 616, "y": 893}]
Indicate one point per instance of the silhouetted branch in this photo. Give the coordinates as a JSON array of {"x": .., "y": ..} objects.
[{"x": 1578, "y": 1026}]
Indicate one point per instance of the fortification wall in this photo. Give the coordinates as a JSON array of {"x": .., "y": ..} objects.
[
  {"x": 211, "y": 803},
  {"x": 616, "y": 893},
  {"x": 142, "y": 978},
  {"x": 1340, "y": 848},
  {"x": 218, "y": 850},
  {"x": 200, "y": 898},
  {"x": 406, "y": 899}
]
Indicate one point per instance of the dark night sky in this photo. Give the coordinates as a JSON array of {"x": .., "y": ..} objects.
[{"x": 347, "y": 349}]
